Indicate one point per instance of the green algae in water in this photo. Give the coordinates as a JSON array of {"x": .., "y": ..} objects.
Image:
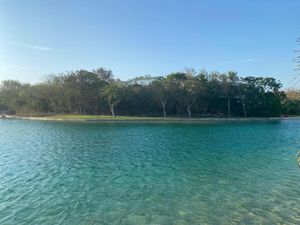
[{"x": 149, "y": 173}]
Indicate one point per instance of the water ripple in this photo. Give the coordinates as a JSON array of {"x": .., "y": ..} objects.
[{"x": 75, "y": 173}]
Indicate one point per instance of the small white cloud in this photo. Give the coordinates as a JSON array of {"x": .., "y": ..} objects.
[
  {"x": 36, "y": 47},
  {"x": 249, "y": 60}
]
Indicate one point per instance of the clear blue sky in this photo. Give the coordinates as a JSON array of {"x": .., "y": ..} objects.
[{"x": 138, "y": 37}]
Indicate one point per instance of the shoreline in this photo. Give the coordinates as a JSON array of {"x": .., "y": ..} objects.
[{"x": 91, "y": 118}]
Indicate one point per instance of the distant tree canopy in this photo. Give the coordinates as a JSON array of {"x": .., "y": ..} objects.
[
  {"x": 188, "y": 93},
  {"x": 292, "y": 102}
]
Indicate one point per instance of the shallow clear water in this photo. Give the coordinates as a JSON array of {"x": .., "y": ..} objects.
[{"x": 149, "y": 173}]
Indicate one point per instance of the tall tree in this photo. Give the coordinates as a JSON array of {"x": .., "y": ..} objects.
[
  {"x": 10, "y": 94},
  {"x": 161, "y": 92},
  {"x": 229, "y": 82},
  {"x": 242, "y": 90},
  {"x": 112, "y": 93},
  {"x": 192, "y": 91}
]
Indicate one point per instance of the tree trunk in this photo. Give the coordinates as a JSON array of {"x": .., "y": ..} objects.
[
  {"x": 244, "y": 109},
  {"x": 189, "y": 111},
  {"x": 112, "y": 109},
  {"x": 163, "y": 104},
  {"x": 228, "y": 106},
  {"x": 189, "y": 107}
]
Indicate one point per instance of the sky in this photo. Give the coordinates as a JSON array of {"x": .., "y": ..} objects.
[{"x": 155, "y": 37}]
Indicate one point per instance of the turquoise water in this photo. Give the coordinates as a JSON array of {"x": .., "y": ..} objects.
[{"x": 149, "y": 173}]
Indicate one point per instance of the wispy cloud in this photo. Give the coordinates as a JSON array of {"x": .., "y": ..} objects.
[
  {"x": 249, "y": 60},
  {"x": 36, "y": 47}
]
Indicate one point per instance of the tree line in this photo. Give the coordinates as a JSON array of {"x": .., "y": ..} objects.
[{"x": 189, "y": 93}]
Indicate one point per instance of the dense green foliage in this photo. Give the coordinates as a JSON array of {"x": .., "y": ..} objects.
[
  {"x": 178, "y": 94},
  {"x": 292, "y": 102}
]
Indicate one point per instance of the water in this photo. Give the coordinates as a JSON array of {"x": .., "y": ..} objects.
[{"x": 143, "y": 173}]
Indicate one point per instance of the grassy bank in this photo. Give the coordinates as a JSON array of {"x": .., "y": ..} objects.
[{"x": 100, "y": 118}]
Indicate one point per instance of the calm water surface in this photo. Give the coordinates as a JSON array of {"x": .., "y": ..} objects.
[{"x": 151, "y": 173}]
